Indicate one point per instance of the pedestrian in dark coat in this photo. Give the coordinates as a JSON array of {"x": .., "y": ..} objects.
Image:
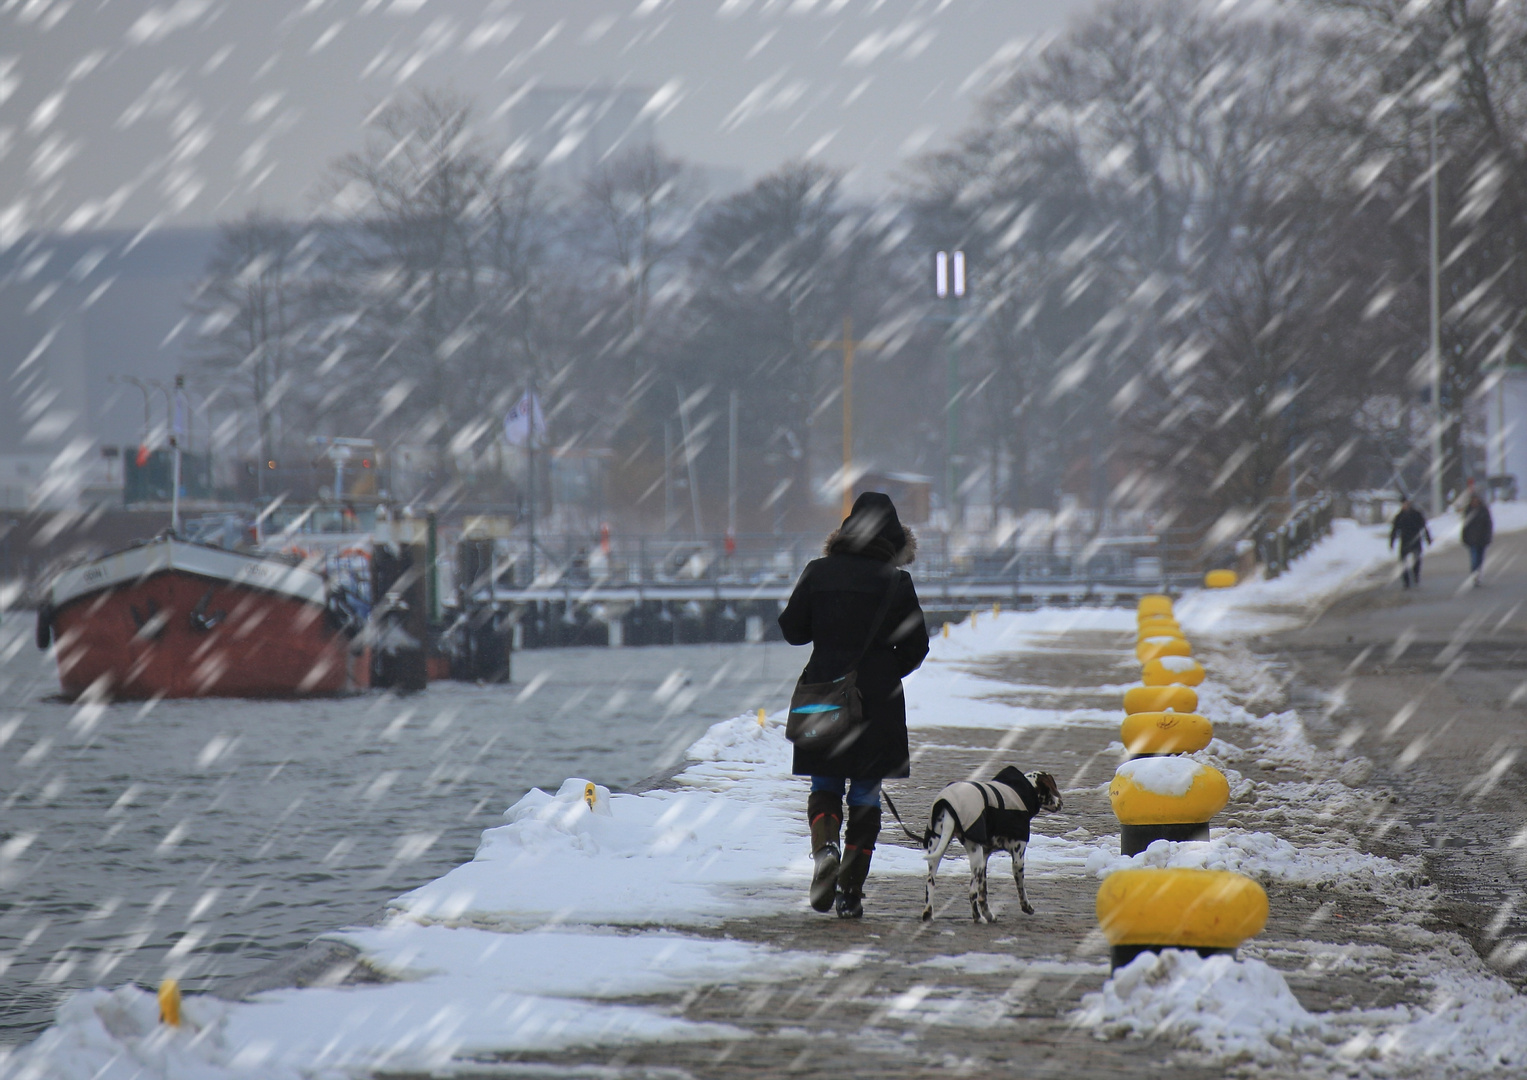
[
  {"x": 1478, "y": 531},
  {"x": 833, "y": 608},
  {"x": 1409, "y": 528}
]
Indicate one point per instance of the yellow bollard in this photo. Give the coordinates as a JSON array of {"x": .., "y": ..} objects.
[
  {"x": 1153, "y": 648},
  {"x": 1169, "y": 698},
  {"x": 1165, "y": 732},
  {"x": 590, "y": 794},
  {"x": 996, "y": 608},
  {"x": 169, "y": 1003},
  {"x": 761, "y": 718},
  {"x": 1165, "y": 670},
  {"x": 1150, "y": 909},
  {"x": 972, "y": 620},
  {"x": 946, "y": 629},
  {"x": 1165, "y": 798},
  {"x": 1221, "y": 579},
  {"x": 1154, "y": 604}
]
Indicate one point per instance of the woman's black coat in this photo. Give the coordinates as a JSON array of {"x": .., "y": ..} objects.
[
  {"x": 1478, "y": 528},
  {"x": 832, "y": 608}
]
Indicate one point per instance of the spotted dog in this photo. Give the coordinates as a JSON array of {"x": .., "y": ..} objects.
[{"x": 986, "y": 816}]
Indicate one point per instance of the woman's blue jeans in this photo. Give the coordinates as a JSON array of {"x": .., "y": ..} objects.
[{"x": 860, "y": 792}]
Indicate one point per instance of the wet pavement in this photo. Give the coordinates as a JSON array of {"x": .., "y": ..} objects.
[{"x": 1430, "y": 684}]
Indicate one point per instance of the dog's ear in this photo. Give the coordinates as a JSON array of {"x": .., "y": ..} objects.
[{"x": 1049, "y": 791}]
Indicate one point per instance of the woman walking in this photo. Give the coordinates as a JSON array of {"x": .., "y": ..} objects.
[
  {"x": 1478, "y": 531},
  {"x": 834, "y": 608}
]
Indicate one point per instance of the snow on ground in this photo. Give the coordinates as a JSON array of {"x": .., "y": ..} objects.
[
  {"x": 1352, "y": 557},
  {"x": 583, "y": 895}
]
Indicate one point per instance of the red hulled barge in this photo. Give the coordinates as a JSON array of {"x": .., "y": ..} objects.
[{"x": 171, "y": 618}]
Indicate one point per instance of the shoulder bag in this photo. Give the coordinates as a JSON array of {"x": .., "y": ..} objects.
[{"x": 827, "y": 716}]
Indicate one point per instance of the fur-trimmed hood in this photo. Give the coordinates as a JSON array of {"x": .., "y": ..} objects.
[{"x": 836, "y": 544}]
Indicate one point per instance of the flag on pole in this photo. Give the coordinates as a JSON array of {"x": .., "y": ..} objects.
[{"x": 525, "y": 422}]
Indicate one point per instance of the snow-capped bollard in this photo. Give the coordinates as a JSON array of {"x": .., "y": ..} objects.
[
  {"x": 1166, "y": 670},
  {"x": 1151, "y": 648},
  {"x": 1154, "y": 604},
  {"x": 169, "y": 1002},
  {"x": 1159, "y": 628},
  {"x": 1155, "y": 699},
  {"x": 1165, "y": 798},
  {"x": 1208, "y": 911},
  {"x": 1221, "y": 579},
  {"x": 1149, "y": 733}
]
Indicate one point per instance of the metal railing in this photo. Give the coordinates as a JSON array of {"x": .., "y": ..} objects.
[
  {"x": 1278, "y": 548},
  {"x": 764, "y": 559}
]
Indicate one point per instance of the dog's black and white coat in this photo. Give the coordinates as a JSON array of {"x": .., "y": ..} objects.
[{"x": 987, "y": 816}]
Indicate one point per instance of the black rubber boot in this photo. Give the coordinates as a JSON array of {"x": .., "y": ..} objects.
[
  {"x": 824, "y": 812},
  {"x": 858, "y": 851}
]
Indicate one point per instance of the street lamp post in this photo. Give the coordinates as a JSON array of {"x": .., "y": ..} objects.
[
  {"x": 1438, "y": 415},
  {"x": 949, "y": 284}
]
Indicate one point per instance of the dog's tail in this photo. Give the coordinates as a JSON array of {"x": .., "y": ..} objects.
[
  {"x": 920, "y": 841},
  {"x": 941, "y": 834}
]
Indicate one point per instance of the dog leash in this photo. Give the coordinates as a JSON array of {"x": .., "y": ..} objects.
[{"x": 920, "y": 841}]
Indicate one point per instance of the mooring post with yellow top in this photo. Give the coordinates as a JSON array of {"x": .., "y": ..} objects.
[
  {"x": 1149, "y": 909},
  {"x": 169, "y": 1002}
]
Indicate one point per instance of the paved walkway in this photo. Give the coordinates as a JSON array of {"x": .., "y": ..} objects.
[
  {"x": 951, "y": 997},
  {"x": 1431, "y": 684}
]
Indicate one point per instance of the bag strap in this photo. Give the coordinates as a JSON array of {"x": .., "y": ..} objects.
[{"x": 885, "y": 605}]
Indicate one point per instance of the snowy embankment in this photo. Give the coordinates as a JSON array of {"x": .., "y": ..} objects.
[
  {"x": 580, "y": 896},
  {"x": 584, "y": 897}
]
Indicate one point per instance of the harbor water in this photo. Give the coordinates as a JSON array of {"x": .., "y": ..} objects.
[{"x": 206, "y": 838}]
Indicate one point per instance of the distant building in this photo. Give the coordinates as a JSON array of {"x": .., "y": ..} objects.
[
  {"x": 76, "y": 311},
  {"x": 1506, "y": 433}
]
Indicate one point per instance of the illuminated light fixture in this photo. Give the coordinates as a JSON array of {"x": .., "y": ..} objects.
[{"x": 949, "y": 274}]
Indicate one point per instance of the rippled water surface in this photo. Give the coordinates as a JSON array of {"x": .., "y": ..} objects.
[{"x": 206, "y": 838}]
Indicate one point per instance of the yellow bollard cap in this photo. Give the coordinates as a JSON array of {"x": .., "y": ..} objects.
[
  {"x": 1154, "y": 604},
  {"x": 169, "y": 1002},
  {"x": 1170, "y": 698},
  {"x": 1221, "y": 579},
  {"x": 1160, "y": 645},
  {"x": 1166, "y": 670},
  {"x": 1165, "y": 732},
  {"x": 1167, "y": 791},
  {"x": 1191, "y": 909},
  {"x": 761, "y": 718}
]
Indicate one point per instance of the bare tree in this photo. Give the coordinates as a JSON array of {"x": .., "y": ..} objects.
[
  {"x": 431, "y": 276},
  {"x": 638, "y": 208},
  {"x": 249, "y": 311}
]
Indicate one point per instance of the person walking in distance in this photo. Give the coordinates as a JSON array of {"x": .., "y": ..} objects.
[
  {"x": 834, "y": 608},
  {"x": 1478, "y": 531},
  {"x": 1409, "y": 528}
]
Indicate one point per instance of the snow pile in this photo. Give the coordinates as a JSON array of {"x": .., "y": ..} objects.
[
  {"x": 1347, "y": 558},
  {"x": 1230, "y": 1010},
  {"x": 1259, "y": 855},
  {"x": 1471, "y": 1024},
  {"x": 1170, "y": 776},
  {"x": 116, "y": 1034},
  {"x": 662, "y": 857}
]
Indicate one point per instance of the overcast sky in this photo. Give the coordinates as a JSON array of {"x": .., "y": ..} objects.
[{"x": 121, "y": 112}]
